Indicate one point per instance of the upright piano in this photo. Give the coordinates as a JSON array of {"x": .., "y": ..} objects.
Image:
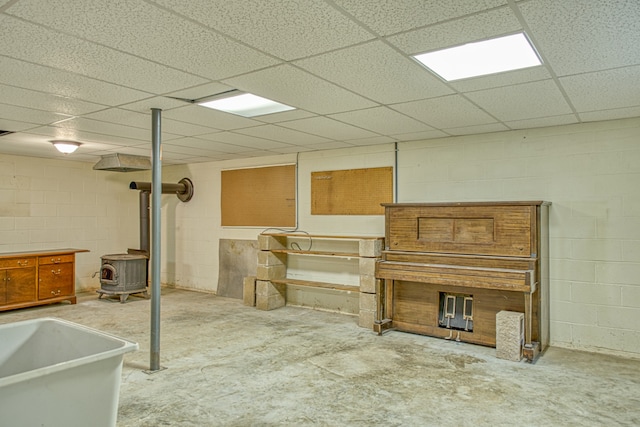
[{"x": 448, "y": 268}]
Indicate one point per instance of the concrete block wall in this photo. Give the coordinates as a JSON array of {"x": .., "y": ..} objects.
[
  {"x": 591, "y": 174},
  {"x": 588, "y": 171},
  {"x": 49, "y": 204}
]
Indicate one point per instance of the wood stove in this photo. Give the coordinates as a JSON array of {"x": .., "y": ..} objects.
[{"x": 122, "y": 275}]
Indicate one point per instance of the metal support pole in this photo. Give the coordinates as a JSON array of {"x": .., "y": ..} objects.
[{"x": 156, "y": 191}]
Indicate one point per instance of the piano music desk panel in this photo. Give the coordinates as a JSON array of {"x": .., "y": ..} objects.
[{"x": 449, "y": 268}]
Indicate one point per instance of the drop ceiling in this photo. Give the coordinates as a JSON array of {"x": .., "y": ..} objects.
[{"x": 91, "y": 70}]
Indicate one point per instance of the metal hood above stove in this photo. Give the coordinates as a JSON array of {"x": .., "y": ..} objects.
[{"x": 123, "y": 163}]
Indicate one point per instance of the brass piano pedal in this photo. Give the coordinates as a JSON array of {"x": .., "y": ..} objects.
[
  {"x": 450, "y": 335},
  {"x": 467, "y": 312},
  {"x": 458, "y": 337}
]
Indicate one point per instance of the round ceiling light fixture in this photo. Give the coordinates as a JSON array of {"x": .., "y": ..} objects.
[{"x": 65, "y": 146}]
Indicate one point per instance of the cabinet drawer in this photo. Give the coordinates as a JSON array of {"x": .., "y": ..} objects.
[
  {"x": 18, "y": 262},
  {"x": 55, "y": 281},
  {"x": 55, "y": 259}
]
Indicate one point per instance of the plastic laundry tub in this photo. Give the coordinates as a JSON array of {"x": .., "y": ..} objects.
[{"x": 58, "y": 373}]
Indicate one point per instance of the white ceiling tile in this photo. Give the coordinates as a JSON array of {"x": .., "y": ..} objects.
[
  {"x": 135, "y": 151},
  {"x": 15, "y": 125},
  {"x": 389, "y": 78},
  {"x": 296, "y": 149},
  {"x": 328, "y": 128},
  {"x": 284, "y": 116},
  {"x": 45, "y": 101},
  {"x": 182, "y": 128},
  {"x": 577, "y": 36},
  {"x": 604, "y": 90},
  {"x": 29, "y": 148},
  {"x": 207, "y": 159},
  {"x": 29, "y": 115},
  {"x": 470, "y": 130},
  {"x": 260, "y": 153},
  {"x": 105, "y": 128},
  {"x": 160, "y": 102},
  {"x": 394, "y": 16},
  {"x": 147, "y": 32},
  {"x": 525, "y": 101},
  {"x": 183, "y": 152},
  {"x": 618, "y": 113},
  {"x": 331, "y": 145},
  {"x": 278, "y": 133},
  {"x": 382, "y": 120},
  {"x": 286, "y": 29},
  {"x": 29, "y": 42},
  {"x": 200, "y": 91},
  {"x": 105, "y": 65},
  {"x": 144, "y": 121},
  {"x": 297, "y": 88},
  {"x": 123, "y": 117},
  {"x": 207, "y": 117},
  {"x": 455, "y": 32},
  {"x": 211, "y": 144},
  {"x": 245, "y": 140},
  {"x": 417, "y": 136},
  {"x": 507, "y": 78},
  {"x": 542, "y": 122},
  {"x": 35, "y": 77},
  {"x": 445, "y": 112},
  {"x": 363, "y": 142},
  {"x": 58, "y": 132}
]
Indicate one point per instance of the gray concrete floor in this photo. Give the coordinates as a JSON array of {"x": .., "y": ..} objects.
[{"x": 232, "y": 365}]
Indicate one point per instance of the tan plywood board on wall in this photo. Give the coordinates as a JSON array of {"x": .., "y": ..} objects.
[
  {"x": 260, "y": 197},
  {"x": 351, "y": 191}
]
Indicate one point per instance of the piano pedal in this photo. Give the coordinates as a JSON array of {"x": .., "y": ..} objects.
[
  {"x": 467, "y": 312},
  {"x": 450, "y": 335},
  {"x": 458, "y": 337}
]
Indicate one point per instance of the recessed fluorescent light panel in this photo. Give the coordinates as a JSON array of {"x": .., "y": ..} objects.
[
  {"x": 246, "y": 105},
  {"x": 481, "y": 58}
]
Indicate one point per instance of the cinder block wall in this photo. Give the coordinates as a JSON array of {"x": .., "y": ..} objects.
[
  {"x": 50, "y": 204},
  {"x": 591, "y": 174}
]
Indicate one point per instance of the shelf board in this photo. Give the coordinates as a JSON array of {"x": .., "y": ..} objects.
[
  {"x": 322, "y": 236},
  {"x": 313, "y": 284},
  {"x": 316, "y": 253}
]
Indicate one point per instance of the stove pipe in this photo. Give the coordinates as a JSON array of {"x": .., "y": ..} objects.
[{"x": 183, "y": 189}]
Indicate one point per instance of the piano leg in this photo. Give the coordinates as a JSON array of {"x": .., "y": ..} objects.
[
  {"x": 384, "y": 310},
  {"x": 531, "y": 350}
]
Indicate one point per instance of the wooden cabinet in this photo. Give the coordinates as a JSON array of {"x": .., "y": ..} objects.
[
  {"x": 449, "y": 268},
  {"x": 35, "y": 278},
  {"x": 17, "y": 277}
]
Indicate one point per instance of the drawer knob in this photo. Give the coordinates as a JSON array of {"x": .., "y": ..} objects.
[
  {"x": 56, "y": 271},
  {"x": 23, "y": 263},
  {"x": 55, "y": 261},
  {"x": 55, "y": 292}
]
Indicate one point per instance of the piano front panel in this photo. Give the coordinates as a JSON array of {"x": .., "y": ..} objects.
[
  {"x": 416, "y": 309},
  {"x": 483, "y": 230}
]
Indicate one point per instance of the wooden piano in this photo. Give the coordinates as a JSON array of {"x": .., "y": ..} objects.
[{"x": 449, "y": 268}]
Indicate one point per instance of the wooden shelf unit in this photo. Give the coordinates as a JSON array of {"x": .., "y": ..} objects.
[
  {"x": 37, "y": 277},
  {"x": 275, "y": 250}
]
